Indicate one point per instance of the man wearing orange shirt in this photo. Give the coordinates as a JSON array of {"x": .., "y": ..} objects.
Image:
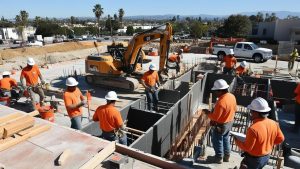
[
  {"x": 74, "y": 101},
  {"x": 262, "y": 135},
  {"x": 222, "y": 120},
  {"x": 175, "y": 59},
  {"x": 6, "y": 84},
  {"x": 297, "y": 109},
  {"x": 230, "y": 62},
  {"x": 110, "y": 120},
  {"x": 150, "y": 81},
  {"x": 241, "y": 70},
  {"x": 32, "y": 74}
]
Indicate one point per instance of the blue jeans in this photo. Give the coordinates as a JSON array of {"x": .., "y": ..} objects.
[
  {"x": 152, "y": 99},
  {"x": 250, "y": 162},
  {"x": 228, "y": 71},
  {"x": 76, "y": 123},
  {"x": 110, "y": 136},
  {"x": 220, "y": 139}
]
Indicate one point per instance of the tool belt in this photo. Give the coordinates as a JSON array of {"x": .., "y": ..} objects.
[
  {"x": 220, "y": 128},
  {"x": 251, "y": 156},
  {"x": 119, "y": 133}
]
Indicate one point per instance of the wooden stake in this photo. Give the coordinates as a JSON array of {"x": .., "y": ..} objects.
[
  {"x": 34, "y": 113},
  {"x": 64, "y": 156},
  {"x": 22, "y": 133},
  {"x": 17, "y": 126},
  {"x": 210, "y": 102}
]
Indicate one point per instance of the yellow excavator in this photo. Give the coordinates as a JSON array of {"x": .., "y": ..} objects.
[{"x": 118, "y": 67}]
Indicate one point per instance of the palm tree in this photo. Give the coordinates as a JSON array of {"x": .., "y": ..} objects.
[
  {"x": 98, "y": 11},
  {"x": 37, "y": 20},
  {"x": 21, "y": 21},
  {"x": 121, "y": 15}
]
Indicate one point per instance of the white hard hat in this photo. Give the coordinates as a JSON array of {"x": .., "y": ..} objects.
[
  {"x": 152, "y": 67},
  {"x": 71, "y": 82},
  {"x": 231, "y": 52},
  {"x": 259, "y": 105},
  {"x": 220, "y": 85},
  {"x": 244, "y": 64},
  {"x": 112, "y": 95},
  {"x": 30, "y": 61},
  {"x": 6, "y": 73}
]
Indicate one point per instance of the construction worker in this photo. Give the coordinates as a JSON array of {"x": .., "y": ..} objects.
[
  {"x": 293, "y": 56},
  {"x": 6, "y": 85},
  {"x": 222, "y": 120},
  {"x": 230, "y": 62},
  {"x": 150, "y": 81},
  {"x": 242, "y": 69},
  {"x": 110, "y": 120},
  {"x": 74, "y": 101},
  {"x": 32, "y": 74},
  {"x": 297, "y": 109},
  {"x": 262, "y": 135},
  {"x": 175, "y": 59}
]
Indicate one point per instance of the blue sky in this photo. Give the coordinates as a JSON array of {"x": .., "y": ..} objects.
[{"x": 67, "y": 8}]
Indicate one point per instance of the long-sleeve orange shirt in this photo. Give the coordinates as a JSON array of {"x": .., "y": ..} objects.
[
  {"x": 225, "y": 109},
  {"x": 262, "y": 135}
]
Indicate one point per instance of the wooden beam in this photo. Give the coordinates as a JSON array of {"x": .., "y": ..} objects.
[
  {"x": 7, "y": 118},
  {"x": 99, "y": 157},
  {"x": 135, "y": 130},
  {"x": 33, "y": 113},
  {"x": 63, "y": 157},
  {"x": 18, "y": 140},
  {"x": 22, "y": 133},
  {"x": 17, "y": 126}
]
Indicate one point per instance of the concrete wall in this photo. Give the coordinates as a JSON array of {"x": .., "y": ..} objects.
[
  {"x": 268, "y": 27},
  {"x": 283, "y": 29}
]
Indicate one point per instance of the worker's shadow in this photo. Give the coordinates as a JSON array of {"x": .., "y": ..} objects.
[{"x": 208, "y": 160}]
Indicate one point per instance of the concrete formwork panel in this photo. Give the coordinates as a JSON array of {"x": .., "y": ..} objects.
[{"x": 187, "y": 77}]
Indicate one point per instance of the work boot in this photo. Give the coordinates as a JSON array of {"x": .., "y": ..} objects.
[
  {"x": 218, "y": 160},
  {"x": 226, "y": 158}
]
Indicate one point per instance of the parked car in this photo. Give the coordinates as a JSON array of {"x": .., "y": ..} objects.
[
  {"x": 35, "y": 43},
  {"x": 247, "y": 50}
]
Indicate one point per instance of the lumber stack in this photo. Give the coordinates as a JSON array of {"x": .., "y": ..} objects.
[{"x": 16, "y": 128}]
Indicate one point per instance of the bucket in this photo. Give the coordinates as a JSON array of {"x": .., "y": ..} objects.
[{"x": 47, "y": 113}]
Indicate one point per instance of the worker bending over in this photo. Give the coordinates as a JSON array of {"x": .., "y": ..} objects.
[
  {"x": 222, "y": 120},
  {"x": 32, "y": 74},
  {"x": 6, "y": 85},
  {"x": 175, "y": 59},
  {"x": 74, "y": 101},
  {"x": 242, "y": 69},
  {"x": 150, "y": 81},
  {"x": 293, "y": 57},
  {"x": 110, "y": 120},
  {"x": 297, "y": 109},
  {"x": 230, "y": 62},
  {"x": 262, "y": 135}
]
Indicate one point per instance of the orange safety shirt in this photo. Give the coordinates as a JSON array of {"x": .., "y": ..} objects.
[
  {"x": 109, "y": 118},
  {"x": 297, "y": 92},
  {"x": 31, "y": 75},
  {"x": 262, "y": 135},
  {"x": 240, "y": 70},
  {"x": 72, "y": 98},
  {"x": 150, "y": 79},
  {"x": 174, "y": 58},
  {"x": 229, "y": 61},
  {"x": 224, "y": 110},
  {"x": 7, "y": 83}
]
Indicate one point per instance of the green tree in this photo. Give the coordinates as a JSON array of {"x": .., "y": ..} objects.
[
  {"x": 72, "y": 20},
  {"x": 197, "y": 29},
  {"x": 115, "y": 17},
  {"x": 173, "y": 19},
  {"x": 111, "y": 24},
  {"x": 129, "y": 30},
  {"x": 121, "y": 15},
  {"x": 4, "y": 23},
  {"x": 98, "y": 11},
  {"x": 37, "y": 20},
  {"x": 21, "y": 22},
  {"x": 259, "y": 17},
  {"x": 236, "y": 26}
]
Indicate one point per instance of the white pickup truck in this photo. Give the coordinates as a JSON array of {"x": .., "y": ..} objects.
[{"x": 247, "y": 50}]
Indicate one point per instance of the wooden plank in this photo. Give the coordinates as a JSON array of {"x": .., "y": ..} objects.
[
  {"x": 63, "y": 157},
  {"x": 17, "y": 126},
  {"x": 22, "y": 133},
  {"x": 99, "y": 157},
  {"x": 5, "y": 140},
  {"x": 135, "y": 130},
  {"x": 15, "y": 141},
  {"x": 10, "y": 117},
  {"x": 33, "y": 113}
]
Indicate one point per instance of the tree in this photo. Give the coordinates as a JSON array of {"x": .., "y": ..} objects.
[
  {"x": 177, "y": 17},
  {"x": 4, "y": 23},
  {"x": 259, "y": 17},
  {"x": 129, "y": 30},
  {"x": 188, "y": 19},
  {"x": 37, "y": 20},
  {"x": 121, "y": 15},
  {"x": 267, "y": 17},
  {"x": 98, "y": 11},
  {"x": 115, "y": 17},
  {"x": 236, "y": 26},
  {"x": 173, "y": 19},
  {"x": 292, "y": 17},
  {"x": 198, "y": 29},
  {"x": 21, "y": 22},
  {"x": 72, "y": 20}
]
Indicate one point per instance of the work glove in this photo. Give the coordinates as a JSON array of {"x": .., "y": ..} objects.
[
  {"x": 206, "y": 111},
  {"x": 43, "y": 82},
  {"x": 82, "y": 103}
]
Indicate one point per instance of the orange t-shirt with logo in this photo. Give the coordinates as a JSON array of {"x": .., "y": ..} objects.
[
  {"x": 225, "y": 109},
  {"x": 262, "y": 135},
  {"x": 73, "y": 98},
  {"x": 240, "y": 70},
  {"x": 7, "y": 83},
  {"x": 150, "y": 79},
  {"x": 297, "y": 92},
  {"x": 174, "y": 58},
  {"x": 31, "y": 75},
  {"x": 229, "y": 61},
  {"x": 109, "y": 118}
]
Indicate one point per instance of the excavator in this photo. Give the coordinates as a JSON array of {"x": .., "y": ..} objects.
[{"x": 120, "y": 68}]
